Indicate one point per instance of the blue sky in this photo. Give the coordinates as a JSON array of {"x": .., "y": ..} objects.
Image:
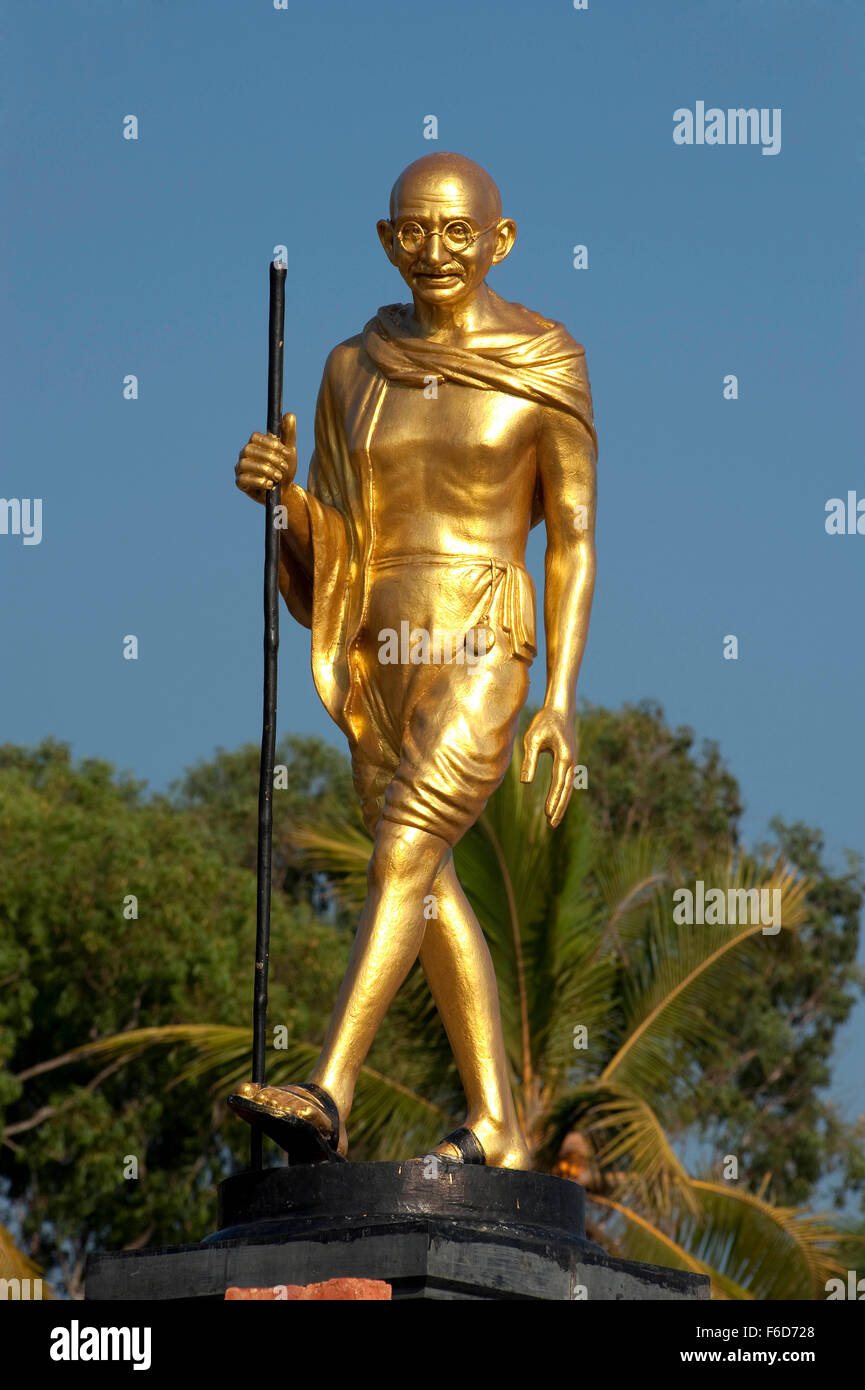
[{"x": 260, "y": 127}]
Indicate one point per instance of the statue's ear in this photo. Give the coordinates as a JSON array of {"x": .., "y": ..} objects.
[
  {"x": 506, "y": 235},
  {"x": 385, "y": 236}
]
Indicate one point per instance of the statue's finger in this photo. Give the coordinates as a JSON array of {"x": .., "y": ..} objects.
[
  {"x": 559, "y": 791},
  {"x": 248, "y": 481},
  {"x": 265, "y": 469},
  {"x": 530, "y": 761},
  {"x": 270, "y": 452},
  {"x": 289, "y": 430}
]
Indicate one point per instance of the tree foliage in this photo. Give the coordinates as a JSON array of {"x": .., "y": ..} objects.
[{"x": 77, "y": 842}]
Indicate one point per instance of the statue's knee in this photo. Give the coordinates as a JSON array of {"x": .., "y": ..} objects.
[{"x": 405, "y": 855}]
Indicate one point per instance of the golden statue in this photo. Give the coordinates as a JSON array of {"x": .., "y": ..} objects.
[{"x": 443, "y": 432}]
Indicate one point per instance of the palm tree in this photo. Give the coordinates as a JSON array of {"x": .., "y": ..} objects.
[{"x": 607, "y": 1007}]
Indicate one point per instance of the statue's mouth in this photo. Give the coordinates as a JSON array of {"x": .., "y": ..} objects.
[{"x": 438, "y": 277}]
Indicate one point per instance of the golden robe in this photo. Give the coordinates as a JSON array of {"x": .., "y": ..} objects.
[{"x": 429, "y": 742}]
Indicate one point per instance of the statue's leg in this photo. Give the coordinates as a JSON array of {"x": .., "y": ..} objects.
[
  {"x": 457, "y": 964},
  {"x": 402, "y": 870},
  {"x": 452, "y": 754}
]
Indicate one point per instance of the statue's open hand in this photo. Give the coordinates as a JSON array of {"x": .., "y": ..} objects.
[
  {"x": 266, "y": 461},
  {"x": 551, "y": 732}
]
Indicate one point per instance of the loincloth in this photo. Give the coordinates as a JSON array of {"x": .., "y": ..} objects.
[{"x": 432, "y": 738}]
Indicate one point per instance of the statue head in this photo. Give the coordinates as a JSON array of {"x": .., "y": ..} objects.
[{"x": 446, "y": 228}]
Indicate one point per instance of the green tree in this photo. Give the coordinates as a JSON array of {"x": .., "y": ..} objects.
[
  {"x": 78, "y": 844},
  {"x": 648, "y": 779}
]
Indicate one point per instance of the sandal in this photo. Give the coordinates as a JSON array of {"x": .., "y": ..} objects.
[
  {"x": 467, "y": 1145},
  {"x": 299, "y": 1138}
]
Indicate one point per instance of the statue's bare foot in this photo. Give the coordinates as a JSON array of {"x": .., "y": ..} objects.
[
  {"x": 303, "y": 1119},
  {"x": 485, "y": 1144}
]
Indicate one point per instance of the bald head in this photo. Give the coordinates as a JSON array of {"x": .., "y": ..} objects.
[
  {"x": 445, "y": 232},
  {"x": 452, "y": 179}
]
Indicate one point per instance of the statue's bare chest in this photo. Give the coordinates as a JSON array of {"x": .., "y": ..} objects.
[{"x": 451, "y": 431}]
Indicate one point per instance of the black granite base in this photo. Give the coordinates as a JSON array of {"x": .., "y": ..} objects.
[{"x": 446, "y": 1231}]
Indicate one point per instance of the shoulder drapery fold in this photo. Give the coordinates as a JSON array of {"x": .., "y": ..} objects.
[{"x": 548, "y": 367}]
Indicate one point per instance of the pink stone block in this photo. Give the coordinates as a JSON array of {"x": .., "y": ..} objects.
[{"x": 332, "y": 1290}]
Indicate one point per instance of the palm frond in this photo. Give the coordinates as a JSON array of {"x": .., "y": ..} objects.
[
  {"x": 629, "y": 1140},
  {"x": 386, "y": 1116},
  {"x": 601, "y": 904},
  {"x": 505, "y": 866},
  {"x": 628, "y": 875},
  {"x": 775, "y": 1252},
  {"x": 657, "y": 1247},
  {"x": 340, "y": 850},
  {"x": 561, "y": 948},
  {"x": 669, "y": 995}
]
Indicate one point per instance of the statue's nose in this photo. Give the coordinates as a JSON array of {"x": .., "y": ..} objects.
[{"x": 436, "y": 252}]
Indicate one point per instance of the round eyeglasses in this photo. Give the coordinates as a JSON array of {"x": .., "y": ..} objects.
[{"x": 456, "y": 236}]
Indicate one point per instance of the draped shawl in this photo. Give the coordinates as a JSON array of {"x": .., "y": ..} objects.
[{"x": 546, "y": 366}]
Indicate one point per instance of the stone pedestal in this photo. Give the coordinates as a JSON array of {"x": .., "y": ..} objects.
[{"x": 430, "y": 1230}]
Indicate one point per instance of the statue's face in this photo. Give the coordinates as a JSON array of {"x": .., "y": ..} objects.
[{"x": 443, "y": 236}]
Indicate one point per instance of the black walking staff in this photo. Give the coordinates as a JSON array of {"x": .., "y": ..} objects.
[{"x": 268, "y": 726}]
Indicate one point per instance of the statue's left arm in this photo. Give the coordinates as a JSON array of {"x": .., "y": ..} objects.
[{"x": 566, "y": 460}]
